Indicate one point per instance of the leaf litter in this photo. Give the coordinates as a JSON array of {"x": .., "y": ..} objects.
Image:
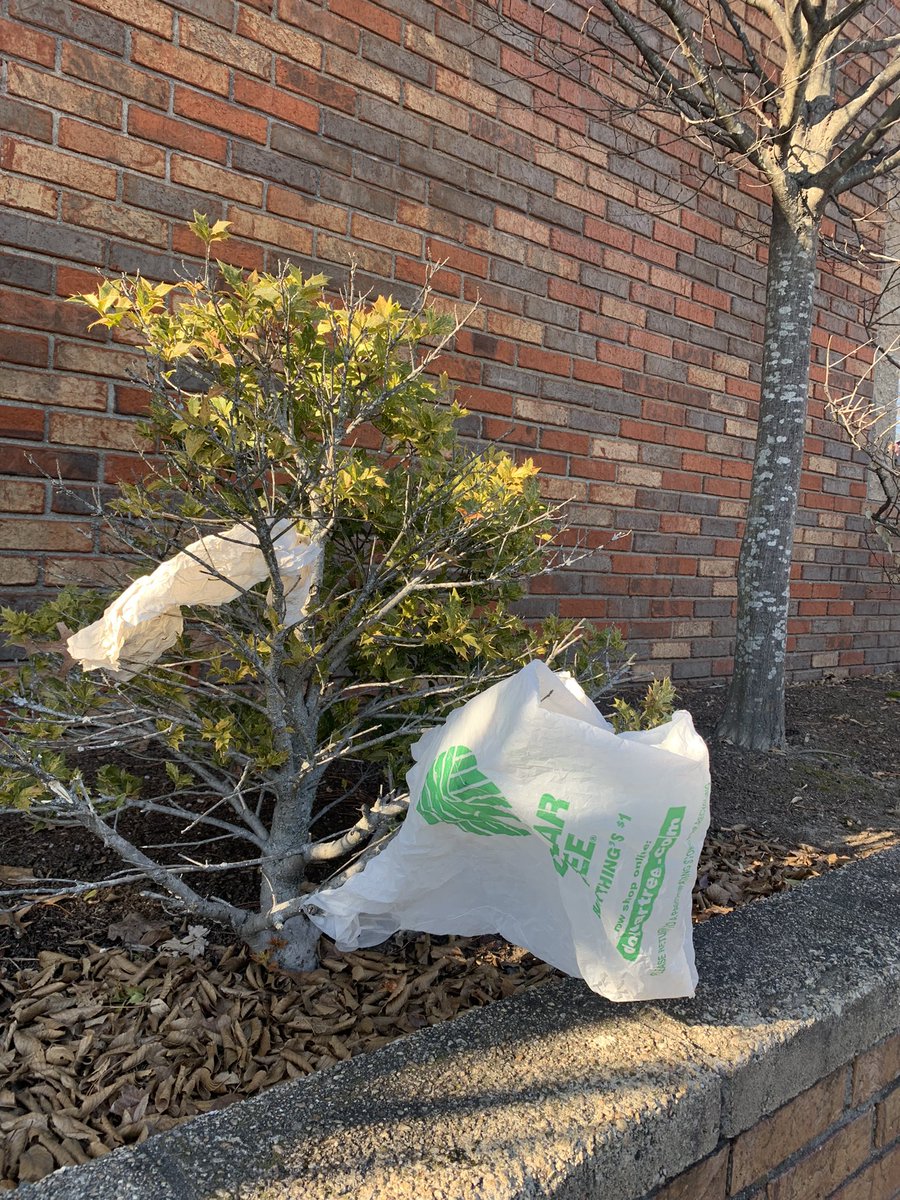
[{"x": 106, "y": 1046}]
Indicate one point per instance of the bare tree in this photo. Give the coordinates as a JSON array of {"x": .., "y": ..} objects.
[
  {"x": 804, "y": 93},
  {"x": 869, "y": 414}
]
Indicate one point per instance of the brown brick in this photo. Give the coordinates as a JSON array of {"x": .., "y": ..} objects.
[
  {"x": 879, "y": 1181},
  {"x": 17, "y": 571},
  {"x": 216, "y": 180},
  {"x": 61, "y": 94},
  {"x": 818, "y": 1173},
  {"x": 383, "y": 234},
  {"x": 179, "y": 64},
  {"x": 112, "y": 147},
  {"x": 224, "y": 47},
  {"x": 19, "y": 534},
  {"x": 887, "y": 1126},
  {"x": 28, "y": 195},
  {"x": 19, "y": 495},
  {"x": 875, "y": 1069},
  {"x": 300, "y": 208},
  {"x": 364, "y": 75},
  {"x": 67, "y": 169},
  {"x": 101, "y": 433},
  {"x": 72, "y": 21},
  {"x": 83, "y": 572},
  {"x": 282, "y": 234},
  {"x": 274, "y": 34},
  {"x": 92, "y": 360},
  {"x": 17, "y": 460},
  {"x": 145, "y": 14},
  {"x": 27, "y": 119},
  {"x": 130, "y": 223},
  {"x": 706, "y": 1181},
  {"x": 42, "y": 387},
  {"x": 115, "y": 76}
]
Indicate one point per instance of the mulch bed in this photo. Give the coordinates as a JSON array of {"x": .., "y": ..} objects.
[{"x": 120, "y": 1020}]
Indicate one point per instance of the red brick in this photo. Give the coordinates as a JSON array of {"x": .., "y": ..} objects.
[
  {"x": 221, "y": 114},
  {"x": 177, "y": 135},
  {"x": 315, "y": 87},
  {"x": 67, "y": 169},
  {"x": 132, "y": 401},
  {"x": 457, "y": 258},
  {"x": 17, "y": 40},
  {"x": 571, "y": 443},
  {"x": 369, "y": 16},
  {"x": 274, "y": 102},
  {"x": 125, "y": 468},
  {"x": 179, "y": 64},
  {"x": 18, "y": 422},
  {"x": 19, "y": 347},
  {"x": 534, "y": 358}
]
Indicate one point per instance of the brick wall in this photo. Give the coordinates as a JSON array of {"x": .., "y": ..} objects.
[
  {"x": 839, "y": 1140},
  {"x": 618, "y": 335}
]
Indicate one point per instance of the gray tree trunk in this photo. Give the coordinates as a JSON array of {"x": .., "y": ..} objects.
[
  {"x": 754, "y": 712},
  {"x": 293, "y": 945}
]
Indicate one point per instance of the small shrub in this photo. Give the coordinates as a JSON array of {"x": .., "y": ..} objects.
[{"x": 308, "y": 439}]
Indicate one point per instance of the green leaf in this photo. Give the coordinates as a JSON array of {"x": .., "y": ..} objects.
[{"x": 457, "y": 793}]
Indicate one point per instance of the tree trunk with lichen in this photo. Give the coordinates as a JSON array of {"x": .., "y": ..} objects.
[{"x": 754, "y": 711}]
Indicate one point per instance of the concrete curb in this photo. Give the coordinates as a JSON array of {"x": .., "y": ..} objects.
[{"x": 557, "y": 1093}]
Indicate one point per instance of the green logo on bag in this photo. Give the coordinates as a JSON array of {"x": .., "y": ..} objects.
[
  {"x": 629, "y": 944},
  {"x": 457, "y": 793}
]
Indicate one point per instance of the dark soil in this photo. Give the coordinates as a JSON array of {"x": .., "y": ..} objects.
[
  {"x": 836, "y": 788},
  {"x": 837, "y": 784}
]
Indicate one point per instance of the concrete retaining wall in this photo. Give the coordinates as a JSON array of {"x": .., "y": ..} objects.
[{"x": 778, "y": 1081}]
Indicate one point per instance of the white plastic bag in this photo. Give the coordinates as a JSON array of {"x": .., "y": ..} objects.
[
  {"x": 146, "y": 619},
  {"x": 529, "y": 817}
]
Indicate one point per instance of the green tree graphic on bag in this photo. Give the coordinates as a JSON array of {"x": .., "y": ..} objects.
[{"x": 457, "y": 793}]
